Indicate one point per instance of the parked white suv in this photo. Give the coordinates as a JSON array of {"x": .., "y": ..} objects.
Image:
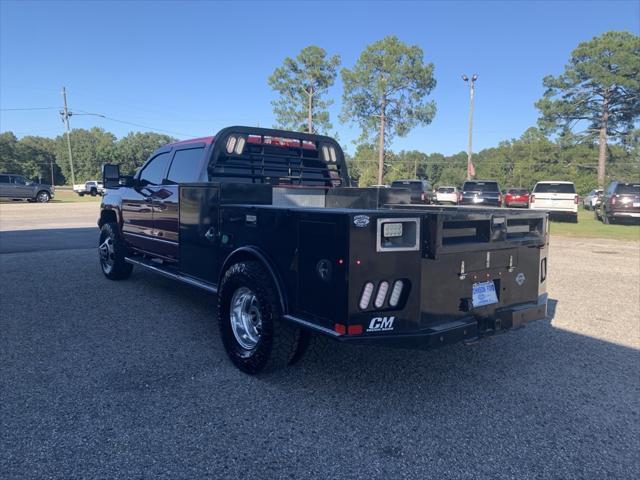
[
  {"x": 557, "y": 197},
  {"x": 447, "y": 195}
]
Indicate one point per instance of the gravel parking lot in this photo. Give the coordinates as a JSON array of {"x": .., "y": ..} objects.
[{"x": 128, "y": 379}]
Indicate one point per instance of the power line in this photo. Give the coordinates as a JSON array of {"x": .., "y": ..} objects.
[{"x": 27, "y": 108}]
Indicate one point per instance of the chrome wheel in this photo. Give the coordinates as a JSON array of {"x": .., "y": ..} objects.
[
  {"x": 246, "y": 320},
  {"x": 43, "y": 197},
  {"x": 107, "y": 255}
]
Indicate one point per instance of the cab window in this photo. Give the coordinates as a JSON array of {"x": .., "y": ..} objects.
[
  {"x": 185, "y": 166},
  {"x": 153, "y": 173}
]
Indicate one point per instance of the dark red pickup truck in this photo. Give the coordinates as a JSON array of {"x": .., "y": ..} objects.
[{"x": 266, "y": 220}]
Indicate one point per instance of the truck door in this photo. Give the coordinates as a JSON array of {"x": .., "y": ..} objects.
[
  {"x": 138, "y": 205},
  {"x": 5, "y": 185},
  {"x": 20, "y": 189},
  {"x": 185, "y": 167}
]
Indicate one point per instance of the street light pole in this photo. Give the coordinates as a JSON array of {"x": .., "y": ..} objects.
[
  {"x": 65, "y": 118},
  {"x": 469, "y": 145}
]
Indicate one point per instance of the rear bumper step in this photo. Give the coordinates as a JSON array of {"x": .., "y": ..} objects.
[{"x": 459, "y": 330}]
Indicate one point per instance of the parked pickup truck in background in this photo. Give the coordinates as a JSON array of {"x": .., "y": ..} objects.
[
  {"x": 16, "y": 187},
  {"x": 92, "y": 187},
  {"x": 558, "y": 198},
  {"x": 266, "y": 220},
  {"x": 421, "y": 190},
  {"x": 481, "y": 192}
]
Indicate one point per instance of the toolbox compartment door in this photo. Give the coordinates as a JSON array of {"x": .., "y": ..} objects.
[{"x": 319, "y": 283}]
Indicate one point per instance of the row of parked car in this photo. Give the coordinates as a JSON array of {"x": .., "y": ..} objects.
[{"x": 620, "y": 201}]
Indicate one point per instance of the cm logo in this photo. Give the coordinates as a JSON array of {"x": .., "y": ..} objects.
[{"x": 381, "y": 324}]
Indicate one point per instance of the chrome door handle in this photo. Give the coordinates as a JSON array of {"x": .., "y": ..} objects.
[{"x": 210, "y": 234}]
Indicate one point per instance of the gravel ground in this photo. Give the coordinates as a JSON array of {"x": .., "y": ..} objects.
[{"x": 128, "y": 379}]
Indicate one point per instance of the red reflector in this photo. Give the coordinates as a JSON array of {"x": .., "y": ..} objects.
[
  {"x": 355, "y": 329},
  {"x": 339, "y": 328}
]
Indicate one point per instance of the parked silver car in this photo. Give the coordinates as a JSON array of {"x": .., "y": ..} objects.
[{"x": 16, "y": 187}]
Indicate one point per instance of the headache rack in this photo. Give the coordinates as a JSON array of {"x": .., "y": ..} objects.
[{"x": 276, "y": 157}]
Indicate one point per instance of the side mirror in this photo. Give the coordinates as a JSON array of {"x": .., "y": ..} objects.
[{"x": 110, "y": 175}]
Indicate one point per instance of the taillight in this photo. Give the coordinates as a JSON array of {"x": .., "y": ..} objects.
[
  {"x": 613, "y": 200},
  {"x": 499, "y": 199},
  {"x": 575, "y": 200},
  {"x": 422, "y": 196},
  {"x": 532, "y": 198}
]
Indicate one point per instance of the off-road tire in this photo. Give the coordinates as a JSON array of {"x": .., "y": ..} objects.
[
  {"x": 278, "y": 340},
  {"x": 119, "y": 269}
]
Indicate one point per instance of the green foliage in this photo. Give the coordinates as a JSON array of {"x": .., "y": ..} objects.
[
  {"x": 390, "y": 78},
  {"x": 90, "y": 149},
  {"x": 32, "y": 156},
  {"x": 605, "y": 69},
  {"x": 134, "y": 149},
  {"x": 302, "y": 82}
]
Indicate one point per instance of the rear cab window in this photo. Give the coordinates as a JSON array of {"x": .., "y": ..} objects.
[
  {"x": 555, "y": 188},
  {"x": 4, "y": 179},
  {"x": 185, "y": 166}
]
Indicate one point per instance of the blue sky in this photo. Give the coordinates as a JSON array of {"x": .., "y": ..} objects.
[{"x": 191, "y": 68}]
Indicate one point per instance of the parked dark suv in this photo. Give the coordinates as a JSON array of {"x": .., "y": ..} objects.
[
  {"x": 621, "y": 201},
  {"x": 15, "y": 187},
  {"x": 481, "y": 192},
  {"x": 421, "y": 190}
]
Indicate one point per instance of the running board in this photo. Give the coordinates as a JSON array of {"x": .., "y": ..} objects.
[{"x": 149, "y": 265}]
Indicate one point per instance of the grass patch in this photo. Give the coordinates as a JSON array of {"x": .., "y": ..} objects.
[
  {"x": 69, "y": 196},
  {"x": 589, "y": 227}
]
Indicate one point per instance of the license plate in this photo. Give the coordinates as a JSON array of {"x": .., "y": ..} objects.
[
  {"x": 636, "y": 204},
  {"x": 484, "y": 293},
  {"x": 478, "y": 200}
]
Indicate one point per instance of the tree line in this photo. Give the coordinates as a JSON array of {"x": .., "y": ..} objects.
[
  {"x": 517, "y": 162},
  {"x": 44, "y": 159}
]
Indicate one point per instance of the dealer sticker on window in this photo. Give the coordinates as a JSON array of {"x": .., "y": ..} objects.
[{"x": 484, "y": 293}]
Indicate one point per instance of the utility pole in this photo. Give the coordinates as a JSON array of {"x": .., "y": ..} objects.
[
  {"x": 469, "y": 146},
  {"x": 51, "y": 163},
  {"x": 65, "y": 118}
]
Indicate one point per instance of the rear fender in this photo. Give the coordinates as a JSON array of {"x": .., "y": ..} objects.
[{"x": 253, "y": 253}]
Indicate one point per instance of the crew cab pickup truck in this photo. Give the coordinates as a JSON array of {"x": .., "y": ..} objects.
[
  {"x": 92, "y": 187},
  {"x": 16, "y": 187},
  {"x": 559, "y": 198},
  {"x": 266, "y": 220}
]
